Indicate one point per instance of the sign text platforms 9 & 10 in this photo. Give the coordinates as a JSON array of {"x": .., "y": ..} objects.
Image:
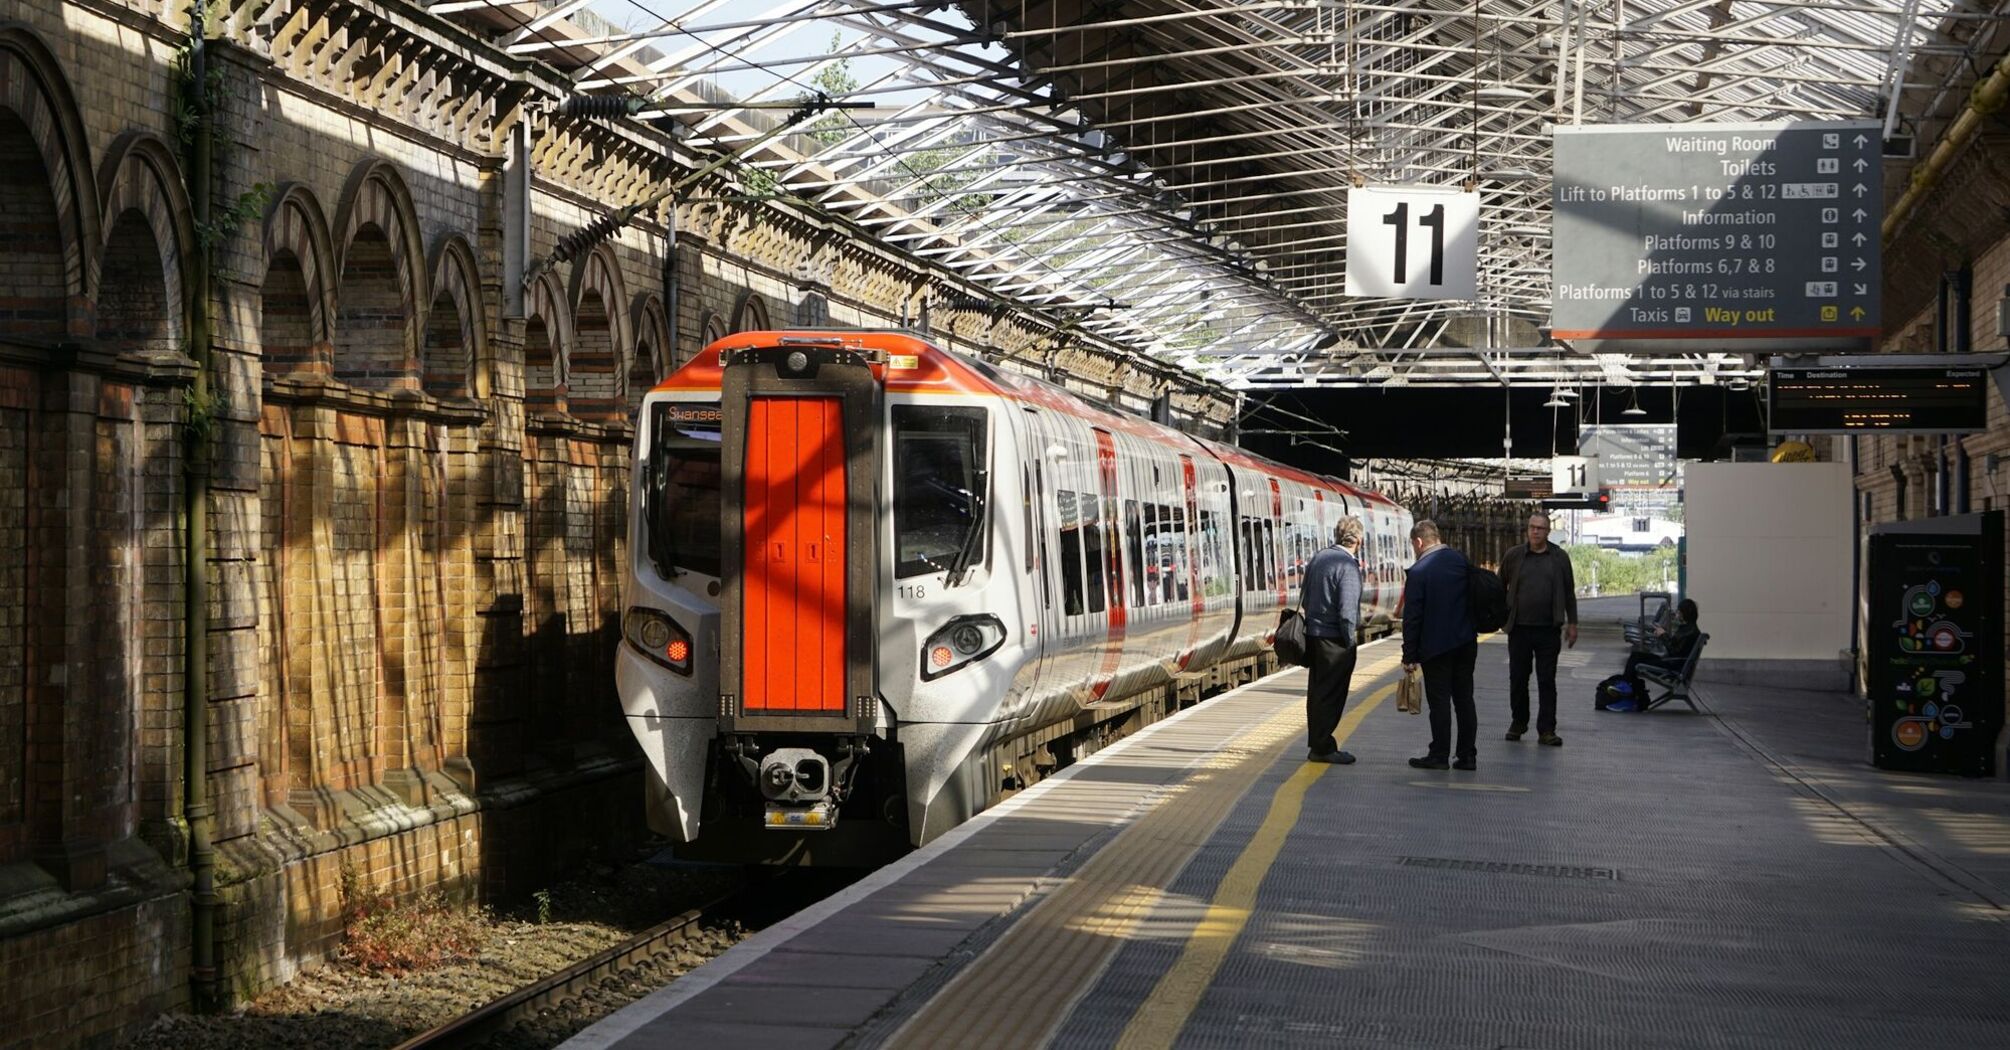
[{"x": 1694, "y": 236}]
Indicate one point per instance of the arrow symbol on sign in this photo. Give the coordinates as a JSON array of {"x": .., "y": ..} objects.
[
  {"x": 1858, "y": 214},
  {"x": 1861, "y": 289},
  {"x": 1856, "y": 312},
  {"x": 1862, "y": 164},
  {"x": 1860, "y": 141},
  {"x": 1858, "y": 263},
  {"x": 1859, "y": 238},
  {"x": 1861, "y": 189}
]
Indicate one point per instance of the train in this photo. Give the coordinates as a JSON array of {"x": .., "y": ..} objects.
[{"x": 873, "y": 585}]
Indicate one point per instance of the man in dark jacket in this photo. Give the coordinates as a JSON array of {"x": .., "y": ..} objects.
[
  {"x": 1542, "y": 616},
  {"x": 1438, "y": 634},
  {"x": 1332, "y": 600}
]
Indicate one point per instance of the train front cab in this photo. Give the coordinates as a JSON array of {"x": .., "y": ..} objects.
[{"x": 816, "y": 603}]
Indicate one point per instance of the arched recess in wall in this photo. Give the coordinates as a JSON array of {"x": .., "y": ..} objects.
[
  {"x": 47, "y": 192},
  {"x": 750, "y": 313},
  {"x": 49, "y": 243},
  {"x": 601, "y": 338},
  {"x": 383, "y": 281},
  {"x": 297, "y": 296},
  {"x": 547, "y": 342},
  {"x": 711, "y": 329},
  {"x": 149, "y": 247},
  {"x": 652, "y": 359},
  {"x": 454, "y": 357}
]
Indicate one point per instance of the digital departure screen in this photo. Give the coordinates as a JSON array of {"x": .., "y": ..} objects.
[{"x": 1847, "y": 400}]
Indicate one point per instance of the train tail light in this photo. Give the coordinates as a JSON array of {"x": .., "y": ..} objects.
[
  {"x": 659, "y": 637},
  {"x": 961, "y": 641}
]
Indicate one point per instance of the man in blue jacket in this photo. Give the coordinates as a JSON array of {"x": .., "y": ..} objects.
[
  {"x": 1332, "y": 600},
  {"x": 1438, "y": 633}
]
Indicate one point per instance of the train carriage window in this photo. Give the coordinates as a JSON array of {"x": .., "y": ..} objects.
[
  {"x": 1071, "y": 552},
  {"x": 1040, "y": 494},
  {"x": 683, "y": 510},
  {"x": 1183, "y": 578},
  {"x": 1150, "y": 554},
  {"x": 1252, "y": 568},
  {"x": 939, "y": 488},
  {"x": 1170, "y": 551},
  {"x": 1270, "y": 576},
  {"x": 1134, "y": 536},
  {"x": 1210, "y": 560},
  {"x": 1092, "y": 550}
]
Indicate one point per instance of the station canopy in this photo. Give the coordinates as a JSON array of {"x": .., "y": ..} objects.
[{"x": 1172, "y": 175}]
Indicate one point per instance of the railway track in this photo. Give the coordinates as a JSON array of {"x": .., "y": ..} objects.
[{"x": 500, "y": 1015}]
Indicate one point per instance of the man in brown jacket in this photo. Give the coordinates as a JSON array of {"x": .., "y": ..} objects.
[{"x": 1542, "y": 616}]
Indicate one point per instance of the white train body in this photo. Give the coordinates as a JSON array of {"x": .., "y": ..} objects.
[{"x": 931, "y": 576}]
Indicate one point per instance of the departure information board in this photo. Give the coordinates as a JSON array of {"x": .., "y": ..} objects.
[
  {"x": 1717, "y": 236},
  {"x": 1846, "y": 400}
]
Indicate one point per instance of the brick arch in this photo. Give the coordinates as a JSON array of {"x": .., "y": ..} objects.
[
  {"x": 654, "y": 357},
  {"x": 454, "y": 358},
  {"x": 711, "y": 328},
  {"x": 58, "y": 272},
  {"x": 546, "y": 365},
  {"x": 750, "y": 313},
  {"x": 148, "y": 256},
  {"x": 602, "y": 339},
  {"x": 297, "y": 294},
  {"x": 383, "y": 286}
]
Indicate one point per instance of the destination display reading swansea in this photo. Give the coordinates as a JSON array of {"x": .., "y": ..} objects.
[{"x": 1692, "y": 236}]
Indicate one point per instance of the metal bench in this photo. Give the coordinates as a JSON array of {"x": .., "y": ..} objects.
[{"x": 1673, "y": 685}]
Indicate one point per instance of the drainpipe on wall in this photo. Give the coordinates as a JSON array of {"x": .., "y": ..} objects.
[
  {"x": 672, "y": 284},
  {"x": 195, "y": 555}
]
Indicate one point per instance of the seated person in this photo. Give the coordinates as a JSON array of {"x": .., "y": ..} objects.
[{"x": 1676, "y": 642}]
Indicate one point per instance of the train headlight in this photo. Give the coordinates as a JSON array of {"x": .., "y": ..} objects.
[
  {"x": 961, "y": 641},
  {"x": 658, "y": 636}
]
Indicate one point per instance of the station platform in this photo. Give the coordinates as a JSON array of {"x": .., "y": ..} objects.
[{"x": 1738, "y": 877}]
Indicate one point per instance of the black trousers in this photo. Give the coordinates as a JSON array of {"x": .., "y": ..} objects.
[
  {"x": 1666, "y": 663},
  {"x": 1538, "y": 646},
  {"x": 1448, "y": 687},
  {"x": 1326, "y": 691}
]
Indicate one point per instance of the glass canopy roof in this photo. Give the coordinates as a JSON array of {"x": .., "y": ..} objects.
[{"x": 1172, "y": 175}]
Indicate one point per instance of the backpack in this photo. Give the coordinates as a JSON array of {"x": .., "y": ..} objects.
[
  {"x": 1620, "y": 693},
  {"x": 1486, "y": 598}
]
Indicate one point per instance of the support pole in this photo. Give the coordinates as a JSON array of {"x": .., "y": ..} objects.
[{"x": 196, "y": 807}]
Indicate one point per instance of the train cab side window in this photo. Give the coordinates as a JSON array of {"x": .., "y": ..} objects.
[
  {"x": 940, "y": 486},
  {"x": 1071, "y": 552},
  {"x": 1134, "y": 539},
  {"x": 682, "y": 489},
  {"x": 1093, "y": 551},
  {"x": 1210, "y": 557}
]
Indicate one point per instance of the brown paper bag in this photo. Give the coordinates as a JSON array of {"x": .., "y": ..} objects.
[{"x": 1410, "y": 691}]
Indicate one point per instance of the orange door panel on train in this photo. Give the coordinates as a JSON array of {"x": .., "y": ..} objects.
[{"x": 794, "y": 638}]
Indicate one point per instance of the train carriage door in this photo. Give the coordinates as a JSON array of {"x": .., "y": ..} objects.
[
  {"x": 794, "y": 556},
  {"x": 1191, "y": 535}
]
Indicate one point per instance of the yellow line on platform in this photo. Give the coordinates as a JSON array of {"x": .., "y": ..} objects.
[{"x": 1161, "y": 1017}]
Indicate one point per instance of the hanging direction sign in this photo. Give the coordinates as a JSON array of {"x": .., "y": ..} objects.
[
  {"x": 1412, "y": 242},
  {"x": 1718, "y": 236}
]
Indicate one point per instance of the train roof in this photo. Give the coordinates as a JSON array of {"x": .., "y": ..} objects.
[{"x": 916, "y": 366}]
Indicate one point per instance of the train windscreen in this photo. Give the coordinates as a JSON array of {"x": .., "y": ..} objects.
[
  {"x": 939, "y": 484},
  {"x": 683, "y": 489}
]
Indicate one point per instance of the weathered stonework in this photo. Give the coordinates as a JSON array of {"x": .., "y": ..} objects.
[{"x": 417, "y": 491}]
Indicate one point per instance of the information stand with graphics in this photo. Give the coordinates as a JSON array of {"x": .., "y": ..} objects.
[{"x": 1935, "y": 644}]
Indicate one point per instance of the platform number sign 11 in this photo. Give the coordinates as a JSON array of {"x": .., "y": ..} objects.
[{"x": 1412, "y": 242}]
